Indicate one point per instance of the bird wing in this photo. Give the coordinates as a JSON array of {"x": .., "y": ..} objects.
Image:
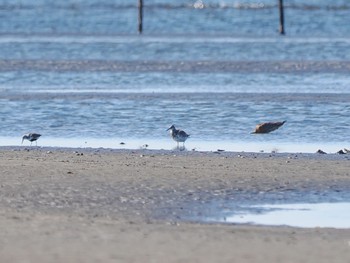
[
  {"x": 182, "y": 133},
  {"x": 267, "y": 127},
  {"x": 34, "y": 135}
]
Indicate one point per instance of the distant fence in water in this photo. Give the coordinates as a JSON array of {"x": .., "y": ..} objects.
[
  {"x": 280, "y": 5},
  {"x": 182, "y": 17},
  {"x": 199, "y": 4}
]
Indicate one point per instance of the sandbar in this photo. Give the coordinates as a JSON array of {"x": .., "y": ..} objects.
[{"x": 100, "y": 205}]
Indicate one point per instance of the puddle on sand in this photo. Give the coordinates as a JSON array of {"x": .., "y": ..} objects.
[{"x": 333, "y": 215}]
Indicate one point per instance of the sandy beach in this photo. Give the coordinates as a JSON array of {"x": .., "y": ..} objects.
[{"x": 99, "y": 205}]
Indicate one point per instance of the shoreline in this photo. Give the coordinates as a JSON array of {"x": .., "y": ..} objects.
[
  {"x": 180, "y": 152},
  {"x": 167, "y": 144},
  {"x": 92, "y": 205}
]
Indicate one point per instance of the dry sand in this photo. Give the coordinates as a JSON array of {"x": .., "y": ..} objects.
[{"x": 134, "y": 206}]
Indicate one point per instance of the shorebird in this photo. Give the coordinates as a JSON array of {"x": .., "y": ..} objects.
[
  {"x": 267, "y": 127},
  {"x": 32, "y": 137},
  {"x": 178, "y": 135}
]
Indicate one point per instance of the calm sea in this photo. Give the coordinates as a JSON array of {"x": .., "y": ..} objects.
[{"x": 80, "y": 74}]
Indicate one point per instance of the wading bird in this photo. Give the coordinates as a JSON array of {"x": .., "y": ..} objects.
[
  {"x": 32, "y": 137},
  {"x": 267, "y": 127},
  {"x": 178, "y": 135}
]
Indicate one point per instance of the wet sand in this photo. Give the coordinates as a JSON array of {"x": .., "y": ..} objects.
[{"x": 65, "y": 205}]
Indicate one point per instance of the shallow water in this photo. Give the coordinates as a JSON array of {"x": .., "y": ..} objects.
[
  {"x": 78, "y": 70},
  {"x": 307, "y": 207},
  {"x": 334, "y": 215},
  {"x": 318, "y": 118}
]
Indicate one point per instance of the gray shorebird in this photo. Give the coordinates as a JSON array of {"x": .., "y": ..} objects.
[
  {"x": 178, "y": 135},
  {"x": 32, "y": 137},
  {"x": 267, "y": 127}
]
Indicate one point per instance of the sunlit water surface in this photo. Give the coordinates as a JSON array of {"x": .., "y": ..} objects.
[{"x": 332, "y": 215}]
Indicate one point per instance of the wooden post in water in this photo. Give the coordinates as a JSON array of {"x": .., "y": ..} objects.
[
  {"x": 281, "y": 29},
  {"x": 140, "y": 5}
]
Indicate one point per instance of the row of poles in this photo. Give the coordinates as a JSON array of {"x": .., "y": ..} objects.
[{"x": 280, "y": 7}]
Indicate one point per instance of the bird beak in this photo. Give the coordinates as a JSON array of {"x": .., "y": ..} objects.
[{"x": 168, "y": 129}]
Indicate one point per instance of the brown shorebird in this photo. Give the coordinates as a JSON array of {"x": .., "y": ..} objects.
[
  {"x": 267, "y": 127},
  {"x": 32, "y": 137},
  {"x": 178, "y": 135}
]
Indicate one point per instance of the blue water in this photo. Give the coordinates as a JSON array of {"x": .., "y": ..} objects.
[
  {"x": 303, "y": 215},
  {"x": 79, "y": 70}
]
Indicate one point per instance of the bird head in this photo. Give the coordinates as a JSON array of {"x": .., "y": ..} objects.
[
  {"x": 25, "y": 137},
  {"x": 172, "y": 127}
]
